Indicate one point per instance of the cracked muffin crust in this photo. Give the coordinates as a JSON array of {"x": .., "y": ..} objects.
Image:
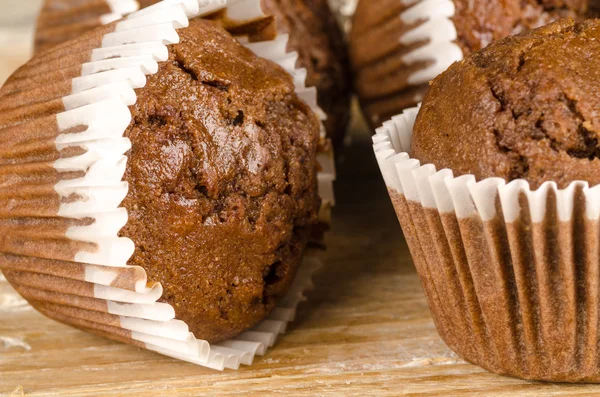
[
  {"x": 381, "y": 75},
  {"x": 222, "y": 181},
  {"x": 317, "y": 38},
  {"x": 524, "y": 107}
]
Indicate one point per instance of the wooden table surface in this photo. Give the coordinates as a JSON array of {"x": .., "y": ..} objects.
[{"x": 365, "y": 330}]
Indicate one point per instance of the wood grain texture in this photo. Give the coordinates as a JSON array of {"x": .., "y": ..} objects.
[{"x": 365, "y": 331}]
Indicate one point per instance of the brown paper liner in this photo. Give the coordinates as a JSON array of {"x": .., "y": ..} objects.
[
  {"x": 514, "y": 294},
  {"x": 515, "y": 299},
  {"x": 62, "y": 20}
]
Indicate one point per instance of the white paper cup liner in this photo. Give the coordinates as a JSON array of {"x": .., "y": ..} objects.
[
  {"x": 511, "y": 274},
  {"x": 60, "y": 213},
  {"x": 411, "y": 49}
]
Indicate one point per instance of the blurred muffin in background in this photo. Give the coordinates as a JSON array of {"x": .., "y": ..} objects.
[
  {"x": 316, "y": 36},
  {"x": 397, "y": 47}
]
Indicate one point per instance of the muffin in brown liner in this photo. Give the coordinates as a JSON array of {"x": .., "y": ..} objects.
[
  {"x": 505, "y": 237},
  {"x": 63, "y": 161},
  {"x": 511, "y": 274}
]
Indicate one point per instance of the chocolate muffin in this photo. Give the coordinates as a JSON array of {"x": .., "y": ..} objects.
[
  {"x": 222, "y": 191},
  {"x": 222, "y": 176},
  {"x": 162, "y": 182},
  {"x": 311, "y": 26},
  {"x": 524, "y": 107},
  {"x": 397, "y": 47},
  {"x": 495, "y": 184}
]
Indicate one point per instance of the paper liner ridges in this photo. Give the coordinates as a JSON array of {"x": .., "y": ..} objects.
[
  {"x": 415, "y": 42},
  {"x": 511, "y": 274},
  {"x": 62, "y": 165},
  {"x": 61, "y": 20}
]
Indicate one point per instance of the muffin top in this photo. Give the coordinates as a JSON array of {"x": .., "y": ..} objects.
[
  {"x": 478, "y": 23},
  {"x": 222, "y": 181},
  {"x": 523, "y": 107}
]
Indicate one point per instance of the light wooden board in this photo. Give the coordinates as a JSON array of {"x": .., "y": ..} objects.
[
  {"x": 365, "y": 331},
  {"x": 17, "y": 22}
]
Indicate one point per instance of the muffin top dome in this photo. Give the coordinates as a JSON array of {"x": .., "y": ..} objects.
[
  {"x": 524, "y": 107},
  {"x": 222, "y": 176}
]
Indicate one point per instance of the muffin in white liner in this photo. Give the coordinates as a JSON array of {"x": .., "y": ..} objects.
[
  {"x": 397, "y": 47},
  {"x": 511, "y": 275},
  {"x": 73, "y": 269}
]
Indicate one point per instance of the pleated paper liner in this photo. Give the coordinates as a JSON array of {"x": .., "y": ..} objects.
[
  {"x": 61, "y": 20},
  {"x": 122, "y": 314},
  {"x": 511, "y": 275},
  {"x": 414, "y": 43},
  {"x": 62, "y": 160}
]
